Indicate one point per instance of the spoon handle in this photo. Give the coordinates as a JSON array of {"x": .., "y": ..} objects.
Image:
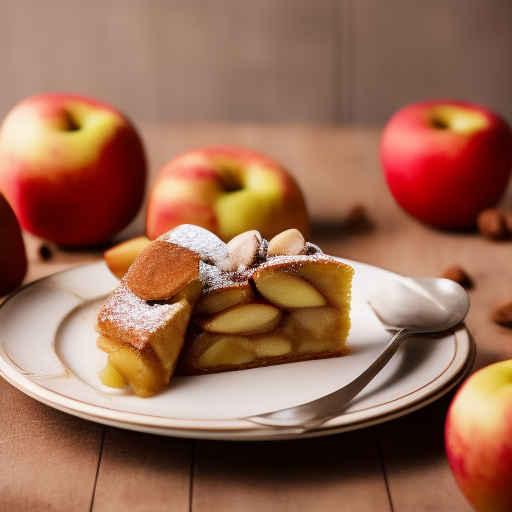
[{"x": 313, "y": 414}]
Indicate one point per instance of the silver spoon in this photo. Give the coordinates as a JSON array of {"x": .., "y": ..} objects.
[{"x": 409, "y": 306}]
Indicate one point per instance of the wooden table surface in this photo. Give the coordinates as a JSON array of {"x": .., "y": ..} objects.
[{"x": 50, "y": 460}]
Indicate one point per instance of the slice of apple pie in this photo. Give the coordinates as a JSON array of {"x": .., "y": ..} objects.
[{"x": 191, "y": 304}]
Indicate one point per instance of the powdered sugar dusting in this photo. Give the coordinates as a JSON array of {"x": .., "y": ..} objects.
[
  {"x": 214, "y": 278},
  {"x": 208, "y": 246},
  {"x": 284, "y": 259},
  {"x": 136, "y": 317}
]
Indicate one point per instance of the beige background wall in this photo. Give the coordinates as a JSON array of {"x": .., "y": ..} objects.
[{"x": 320, "y": 61}]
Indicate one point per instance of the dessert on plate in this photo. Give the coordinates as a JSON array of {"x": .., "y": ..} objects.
[{"x": 191, "y": 304}]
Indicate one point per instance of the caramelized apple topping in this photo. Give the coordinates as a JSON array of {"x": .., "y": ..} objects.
[
  {"x": 287, "y": 290},
  {"x": 235, "y": 349},
  {"x": 250, "y": 318},
  {"x": 221, "y": 298},
  {"x": 121, "y": 257},
  {"x": 271, "y": 345}
]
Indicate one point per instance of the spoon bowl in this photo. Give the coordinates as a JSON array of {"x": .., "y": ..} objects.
[{"x": 422, "y": 304}]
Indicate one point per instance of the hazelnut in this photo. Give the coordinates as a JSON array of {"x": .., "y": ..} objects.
[
  {"x": 357, "y": 218},
  {"x": 491, "y": 224},
  {"x": 502, "y": 315},
  {"x": 459, "y": 275}
]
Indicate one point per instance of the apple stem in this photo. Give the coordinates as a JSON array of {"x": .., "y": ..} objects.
[
  {"x": 72, "y": 124},
  {"x": 439, "y": 124}
]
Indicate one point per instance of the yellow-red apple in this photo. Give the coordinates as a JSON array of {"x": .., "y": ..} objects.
[
  {"x": 120, "y": 257},
  {"x": 478, "y": 436},
  {"x": 227, "y": 190},
  {"x": 445, "y": 161},
  {"x": 73, "y": 168},
  {"x": 13, "y": 259}
]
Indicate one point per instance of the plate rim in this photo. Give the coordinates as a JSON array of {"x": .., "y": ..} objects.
[{"x": 231, "y": 429}]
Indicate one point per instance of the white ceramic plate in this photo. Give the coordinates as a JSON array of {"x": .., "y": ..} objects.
[{"x": 47, "y": 350}]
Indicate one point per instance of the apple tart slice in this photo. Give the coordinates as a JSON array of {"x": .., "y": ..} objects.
[{"x": 191, "y": 304}]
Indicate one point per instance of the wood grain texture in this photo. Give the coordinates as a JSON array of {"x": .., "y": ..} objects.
[
  {"x": 48, "y": 458},
  {"x": 418, "y": 476},
  {"x": 141, "y": 472},
  {"x": 337, "y": 473}
]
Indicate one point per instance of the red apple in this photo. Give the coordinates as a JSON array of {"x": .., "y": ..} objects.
[
  {"x": 73, "y": 168},
  {"x": 445, "y": 161},
  {"x": 227, "y": 190},
  {"x": 13, "y": 259},
  {"x": 478, "y": 437}
]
